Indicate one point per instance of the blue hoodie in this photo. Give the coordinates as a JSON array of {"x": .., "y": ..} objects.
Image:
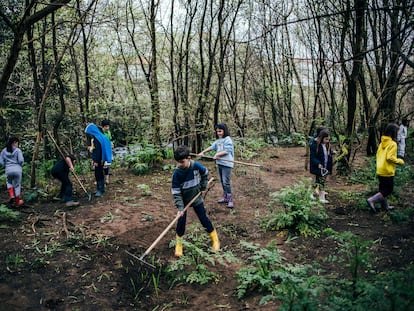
[{"x": 106, "y": 146}]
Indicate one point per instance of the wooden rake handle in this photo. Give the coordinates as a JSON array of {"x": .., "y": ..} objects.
[
  {"x": 233, "y": 161},
  {"x": 63, "y": 156},
  {"x": 149, "y": 249}
]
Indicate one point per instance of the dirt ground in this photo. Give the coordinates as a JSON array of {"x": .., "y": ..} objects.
[{"x": 76, "y": 259}]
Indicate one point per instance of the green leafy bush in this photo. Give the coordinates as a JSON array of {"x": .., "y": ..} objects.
[
  {"x": 366, "y": 289},
  {"x": 267, "y": 272},
  {"x": 293, "y": 139},
  {"x": 366, "y": 174},
  {"x": 139, "y": 168},
  {"x": 143, "y": 159},
  {"x": 294, "y": 208},
  {"x": 195, "y": 266},
  {"x": 7, "y": 214},
  {"x": 404, "y": 176},
  {"x": 400, "y": 216}
]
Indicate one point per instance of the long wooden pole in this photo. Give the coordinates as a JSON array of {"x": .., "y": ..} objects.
[
  {"x": 157, "y": 240},
  {"x": 233, "y": 161}
]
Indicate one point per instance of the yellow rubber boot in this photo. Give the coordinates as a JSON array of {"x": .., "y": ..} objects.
[
  {"x": 178, "y": 246},
  {"x": 215, "y": 241}
]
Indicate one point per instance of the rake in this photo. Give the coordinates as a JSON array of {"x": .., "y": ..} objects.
[
  {"x": 74, "y": 174},
  {"x": 158, "y": 239},
  {"x": 234, "y": 161}
]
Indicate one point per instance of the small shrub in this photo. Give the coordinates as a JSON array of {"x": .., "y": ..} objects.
[
  {"x": 298, "y": 211},
  {"x": 366, "y": 174},
  {"x": 146, "y": 190},
  {"x": 15, "y": 261},
  {"x": 354, "y": 250},
  {"x": 268, "y": 273},
  {"x": 140, "y": 168},
  {"x": 7, "y": 214},
  {"x": 403, "y": 216},
  {"x": 143, "y": 159},
  {"x": 293, "y": 139},
  {"x": 366, "y": 289},
  {"x": 169, "y": 167},
  {"x": 195, "y": 265}
]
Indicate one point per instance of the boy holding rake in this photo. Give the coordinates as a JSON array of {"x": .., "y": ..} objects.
[{"x": 188, "y": 180}]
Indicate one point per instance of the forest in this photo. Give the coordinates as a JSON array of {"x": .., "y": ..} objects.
[{"x": 164, "y": 73}]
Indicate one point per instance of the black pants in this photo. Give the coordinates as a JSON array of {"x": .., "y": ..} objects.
[
  {"x": 202, "y": 216},
  {"x": 99, "y": 177},
  {"x": 66, "y": 187},
  {"x": 386, "y": 185}
]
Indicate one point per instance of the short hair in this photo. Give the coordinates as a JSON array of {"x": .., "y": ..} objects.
[
  {"x": 392, "y": 131},
  {"x": 222, "y": 126},
  {"x": 181, "y": 153},
  {"x": 105, "y": 122}
]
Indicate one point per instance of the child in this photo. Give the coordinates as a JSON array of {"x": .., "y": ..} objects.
[
  {"x": 321, "y": 162},
  {"x": 61, "y": 172},
  {"x": 402, "y": 135},
  {"x": 12, "y": 159},
  {"x": 315, "y": 135},
  {"x": 224, "y": 150},
  {"x": 101, "y": 153},
  {"x": 189, "y": 178},
  {"x": 107, "y": 132},
  {"x": 386, "y": 162}
]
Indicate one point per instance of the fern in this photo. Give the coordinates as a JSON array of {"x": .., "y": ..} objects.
[{"x": 298, "y": 211}]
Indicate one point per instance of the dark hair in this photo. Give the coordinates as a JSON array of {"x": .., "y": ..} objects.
[
  {"x": 105, "y": 122},
  {"x": 322, "y": 134},
  {"x": 222, "y": 126},
  {"x": 405, "y": 122},
  {"x": 181, "y": 153},
  {"x": 319, "y": 130},
  {"x": 392, "y": 131},
  {"x": 72, "y": 157},
  {"x": 10, "y": 142}
]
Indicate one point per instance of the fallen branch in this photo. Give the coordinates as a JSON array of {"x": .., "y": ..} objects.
[
  {"x": 34, "y": 221},
  {"x": 65, "y": 228}
]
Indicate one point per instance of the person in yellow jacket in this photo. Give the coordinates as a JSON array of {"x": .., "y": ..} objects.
[{"x": 386, "y": 161}]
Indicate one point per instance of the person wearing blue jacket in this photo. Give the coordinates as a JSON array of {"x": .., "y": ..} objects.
[
  {"x": 11, "y": 157},
  {"x": 101, "y": 155},
  {"x": 224, "y": 148}
]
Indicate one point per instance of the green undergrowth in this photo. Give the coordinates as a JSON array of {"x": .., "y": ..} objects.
[
  {"x": 309, "y": 287},
  {"x": 295, "y": 208},
  {"x": 9, "y": 215},
  {"x": 197, "y": 263}
]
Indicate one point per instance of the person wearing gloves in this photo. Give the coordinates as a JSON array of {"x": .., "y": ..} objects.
[
  {"x": 190, "y": 178},
  {"x": 101, "y": 155},
  {"x": 11, "y": 157},
  {"x": 386, "y": 160}
]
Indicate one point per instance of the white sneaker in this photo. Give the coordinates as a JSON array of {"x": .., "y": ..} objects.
[{"x": 322, "y": 198}]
